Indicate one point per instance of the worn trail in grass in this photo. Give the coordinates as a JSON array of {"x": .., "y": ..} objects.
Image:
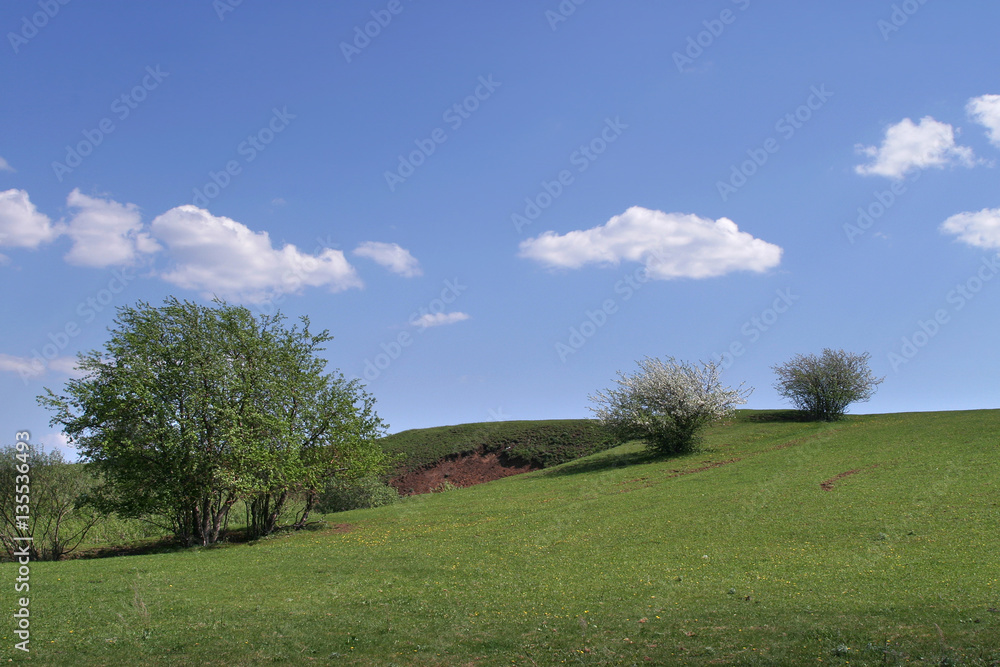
[{"x": 734, "y": 555}]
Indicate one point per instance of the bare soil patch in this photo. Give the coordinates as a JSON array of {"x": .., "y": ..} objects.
[
  {"x": 460, "y": 471},
  {"x": 828, "y": 484}
]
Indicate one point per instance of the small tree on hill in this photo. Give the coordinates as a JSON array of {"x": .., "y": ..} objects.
[
  {"x": 666, "y": 403},
  {"x": 823, "y": 386}
]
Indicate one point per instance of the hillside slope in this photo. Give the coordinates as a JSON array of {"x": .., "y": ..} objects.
[
  {"x": 869, "y": 541},
  {"x": 540, "y": 444}
]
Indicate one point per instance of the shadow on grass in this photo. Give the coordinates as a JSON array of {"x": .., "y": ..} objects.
[
  {"x": 165, "y": 545},
  {"x": 776, "y": 416},
  {"x": 607, "y": 462}
]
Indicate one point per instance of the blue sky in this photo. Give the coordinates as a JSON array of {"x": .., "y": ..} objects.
[{"x": 495, "y": 207}]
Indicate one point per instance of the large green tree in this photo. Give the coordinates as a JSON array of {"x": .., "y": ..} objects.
[{"x": 190, "y": 409}]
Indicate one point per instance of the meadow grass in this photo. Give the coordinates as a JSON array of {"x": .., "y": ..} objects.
[{"x": 733, "y": 555}]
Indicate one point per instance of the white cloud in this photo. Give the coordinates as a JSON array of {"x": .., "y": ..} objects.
[
  {"x": 21, "y": 225},
  {"x": 59, "y": 441},
  {"x": 671, "y": 245},
  {"x": 980, "y": 229},
  {"x": 908, "y": 146},
  {"x": 35, "y": 367},
  {"x": 65, "y": 366},
  {"x": 220, "y": 256},
  {"x": 105, "y": 233},
  {"x": 438, "y": 319},
  {"x": 391, "y": 256},
  {"x": 23, "y": 366},
  {"x": 5, "y": 166},
  {"x": 985, "y": 110}
]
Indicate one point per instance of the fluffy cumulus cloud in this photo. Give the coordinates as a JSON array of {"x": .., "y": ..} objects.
[
  {"x": 980, "y": 229},
  {"x": 671, "y": 245},
  {"x": 105, "y": 233},
  {"x": 908, "y": 146},
  {"x": 21, "y": 225},
  {"x": 390, "y": 255},
  {"x": 217, "y": 255},
  {"x": 439, "y": 319},
  {"x": 985, "y": 110}
]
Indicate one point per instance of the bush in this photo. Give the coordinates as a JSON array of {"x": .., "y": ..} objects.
[
  {"x": 666, "y": 403},
  {"x": 823, "y": 386},
  {"x": 341, "y": 495},
  {"x": 58, "y": 518}
]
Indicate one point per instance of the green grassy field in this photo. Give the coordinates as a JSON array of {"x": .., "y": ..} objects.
[{"x": 736, "y": 555}]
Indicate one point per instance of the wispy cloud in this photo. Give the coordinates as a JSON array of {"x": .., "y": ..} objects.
[
  {"x": 5, "y": 166},
  {"x": 36, "y": 367},
  {"x": 390, "y": 255},
  {"x": 439, "y": 319}
]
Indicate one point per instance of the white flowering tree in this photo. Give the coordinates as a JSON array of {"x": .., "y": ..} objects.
[{"x": 666, "y": 403}]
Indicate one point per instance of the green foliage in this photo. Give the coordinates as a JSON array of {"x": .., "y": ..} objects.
[
  {"x": 824, "y": 386},
  {"x": 666, "y": 403},
  {"x": 58, "y": 520},
  {"x": 341, "y": 495},
  {"x": 189, "y": 409},
  {"x": 542, "y": 443}
]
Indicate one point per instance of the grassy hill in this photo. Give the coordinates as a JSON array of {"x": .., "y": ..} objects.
[
  {"x": 870, "y": 541},
  {"x": 542, "y": 443}
]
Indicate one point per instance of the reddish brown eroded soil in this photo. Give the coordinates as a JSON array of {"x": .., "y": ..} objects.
[
  {"x": 460, "y": 471},
  {"x": 828, "y": 484}
]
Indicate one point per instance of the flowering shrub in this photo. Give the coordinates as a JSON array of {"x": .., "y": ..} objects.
[{"x": 666, "y": 403}]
